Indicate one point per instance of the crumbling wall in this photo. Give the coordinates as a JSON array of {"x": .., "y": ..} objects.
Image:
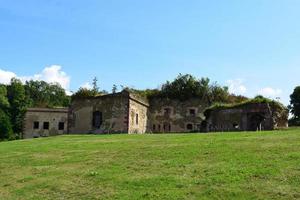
[
  {"x": 226, "y": 120},
  {"x": 42, "y": 115},
  {"x": 247, "y": 117},
  {"x": 114, "y": 111},
  {"x": 170, "y": 115}
]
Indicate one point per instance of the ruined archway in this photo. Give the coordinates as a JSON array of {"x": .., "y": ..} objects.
[{"x": 255, "y": 121}]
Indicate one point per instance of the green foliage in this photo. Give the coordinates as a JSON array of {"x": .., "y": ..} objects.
[
  {"x": 87, "y": 93},
  {"x": 295, "y": 105},
  {"x": 258, "y": 99},
  {"x": 4, "y": 104},
  {"x": 294, "y": 122},
  {"x": 236, "y": 99},
  {"x": 6, "y": 131},
  {"x": 83, "y": 93},
  {"x": 17, "y": 99},
  {"x": 187, "y": 86},
  {"x": 43, "y": 94}
]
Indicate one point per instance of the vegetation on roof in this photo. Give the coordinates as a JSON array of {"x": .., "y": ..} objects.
[
  {"x": 186, "y": 86},
  {"x": 257, "y": 100}
]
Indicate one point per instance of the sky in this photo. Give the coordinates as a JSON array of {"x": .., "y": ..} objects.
[{"x": 252, "y": 46}]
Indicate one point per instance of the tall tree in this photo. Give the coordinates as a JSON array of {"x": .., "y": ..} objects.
[
  {"x": 95, "y": 86},
  {"x": 114, "y": 88},
  {"x": 295, "y": 104},
  {"x": 17, "y": 99},
  {"x": 4, "y": 104},
  {"x": 6, "y": 131}
]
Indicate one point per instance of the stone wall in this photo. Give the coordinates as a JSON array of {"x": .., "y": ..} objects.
[
  {"x": 170, "y": 115},
  {"x": 36, "y": 120},
  {"x": 113, "y": 109},
  {"x": 138, "y": 116},
  {"x": 248, "y": 117}
]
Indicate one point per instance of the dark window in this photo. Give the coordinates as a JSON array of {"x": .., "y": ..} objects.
[
  {"x": 167, "y": 111},
  {"x": 189, "y": 126},
  {"x": 46, "y": 125},
  {"x": 36, "y": 125},
  {"x": 167, "y": 127},
  {"x": 97, "y": 119},
  {"x": 137, "y": 119},
  {"x": 153, "y": 127},
  {"x": 61, "y": 126},
  {"x": 192, "y": 112},
  {"x": 159, "y": 127}
]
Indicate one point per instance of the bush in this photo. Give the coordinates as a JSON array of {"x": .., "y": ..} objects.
[{"x": 5, "y": 127}]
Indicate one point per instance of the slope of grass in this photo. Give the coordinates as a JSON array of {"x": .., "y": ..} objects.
[{"x": 263, "y": 165}]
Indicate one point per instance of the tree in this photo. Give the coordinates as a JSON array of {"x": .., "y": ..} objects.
[
  {"x": 187, "y": 86},
  {"x": 17, "y": 99},
  {"x": 95, "y": 86},
  {"x": 4, "y": 104},
  {"x": 218, "y": 94},
  {"x": 6, "y": 131},
  {"x": 295, "y": 105},
  {"x": 43, "y": 94},
  {"x": 114, "y": 89},
  {"x": 83, "y": 93}
]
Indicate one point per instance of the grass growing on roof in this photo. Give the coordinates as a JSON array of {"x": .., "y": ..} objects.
[{"x": 256, "y": 100}]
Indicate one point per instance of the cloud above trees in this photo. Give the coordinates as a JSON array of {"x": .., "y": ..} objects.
[
  {"x": 236, "y": 86},
  {"x": 51, "y": 74}
]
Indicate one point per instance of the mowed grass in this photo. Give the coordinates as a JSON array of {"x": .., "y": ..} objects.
[{"x": 257, "y": 165}]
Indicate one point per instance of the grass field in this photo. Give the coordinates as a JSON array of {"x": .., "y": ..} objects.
[{"x": 258, "y": 165}]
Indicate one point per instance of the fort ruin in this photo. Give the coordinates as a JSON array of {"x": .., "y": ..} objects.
[{"x": 127, "y": 112}]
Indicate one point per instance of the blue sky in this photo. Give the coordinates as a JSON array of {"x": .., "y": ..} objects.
[{"x": 251, "y": 45}]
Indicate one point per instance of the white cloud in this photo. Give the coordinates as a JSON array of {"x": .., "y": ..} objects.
[
  {"x": 270, "y": 92},
  {"x": 236, "y": 86},
  {"x": 51, "y": 74},
  {"x": 6, "y": 76},
  {"x": 86, "y": 85}
]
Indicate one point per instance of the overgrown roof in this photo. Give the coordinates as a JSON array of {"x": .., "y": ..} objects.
[{"x": 256, "y": 100}]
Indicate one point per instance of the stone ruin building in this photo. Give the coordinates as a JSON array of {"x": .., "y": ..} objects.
[
  {"x": 127, "y": 112},
  {"x": 246, "y": 117}
]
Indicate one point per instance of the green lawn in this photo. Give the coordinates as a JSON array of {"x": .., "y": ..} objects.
[{"x": 258, "y": 165}]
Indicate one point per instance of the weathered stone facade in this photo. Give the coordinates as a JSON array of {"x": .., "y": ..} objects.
[
  {"x": 126, "y": 112},
  {"x": 43, "y": 122},
  {"x": 170, "y": 115},
  {"x": 114, "y": 113},
  {"x": 246, "y": 117}
]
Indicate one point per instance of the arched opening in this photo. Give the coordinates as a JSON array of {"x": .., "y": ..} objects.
[
  {"x": 97, "y": 119},
  {"x": 255, "y": 121}
]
